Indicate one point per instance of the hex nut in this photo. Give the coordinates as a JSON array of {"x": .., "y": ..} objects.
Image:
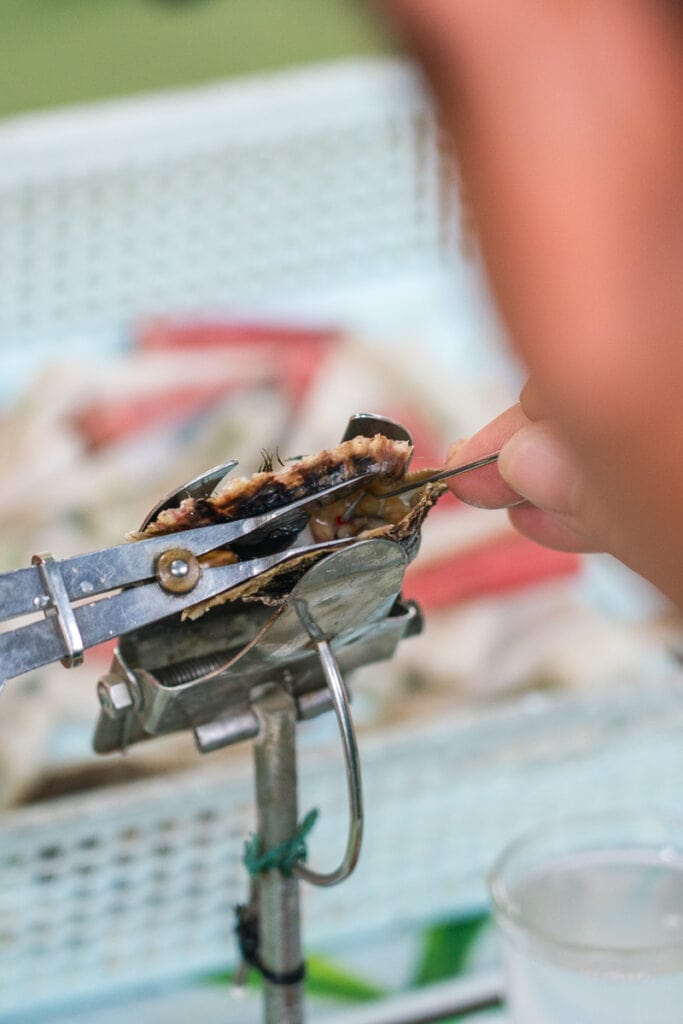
[{"x": 114, "y": 696}]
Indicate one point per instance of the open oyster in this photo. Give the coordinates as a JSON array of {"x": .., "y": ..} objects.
[{"x": 362, "y": 514}]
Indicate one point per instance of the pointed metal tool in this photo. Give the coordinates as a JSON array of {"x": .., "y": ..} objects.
[{"x": 444, "y": 475}]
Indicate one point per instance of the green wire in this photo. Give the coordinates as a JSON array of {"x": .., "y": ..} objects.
[{"x": 284, "y": 856}]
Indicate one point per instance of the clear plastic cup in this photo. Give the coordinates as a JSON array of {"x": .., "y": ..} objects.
[{"x": 591, "y": 916}]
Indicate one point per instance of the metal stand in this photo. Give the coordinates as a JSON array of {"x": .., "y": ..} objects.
[
  {"x": 249, "y": 672},
  {"x": 277, "y": 897}
]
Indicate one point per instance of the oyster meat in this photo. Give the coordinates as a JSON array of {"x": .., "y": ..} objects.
[{"x": 363, "y": 514}]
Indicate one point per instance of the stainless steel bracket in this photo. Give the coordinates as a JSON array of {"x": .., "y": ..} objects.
[
  {"x": 199, "y": 675},
  {"x": 56, "y": 602}
]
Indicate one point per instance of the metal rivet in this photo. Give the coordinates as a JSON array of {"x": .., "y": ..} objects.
[{"x": 178, "y": 571}]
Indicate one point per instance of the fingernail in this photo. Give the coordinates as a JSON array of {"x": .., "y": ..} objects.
[
  {"x": 451, "y": 455},
  {"x": 537, "y": 465}
]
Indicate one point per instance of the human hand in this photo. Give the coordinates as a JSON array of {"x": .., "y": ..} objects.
[
  {"x": 568, "y": 123},
  {"x": 537, "y": 478}
]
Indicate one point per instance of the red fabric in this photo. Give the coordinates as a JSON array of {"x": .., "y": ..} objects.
[
  {"x": 501, "y": 565},
  {"x": 101, "y": 653},
  {"x": 297, "y": 353},
  {"x": 167, "y": 334},
  {"x": 104, "y": 423},
  {"x": 291, "y": 359}
]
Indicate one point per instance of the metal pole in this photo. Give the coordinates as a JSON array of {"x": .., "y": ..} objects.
[{"x": 278, "y": 897}]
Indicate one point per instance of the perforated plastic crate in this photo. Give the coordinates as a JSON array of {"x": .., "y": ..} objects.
[
  {"x": 213, "y": 198},
  {"x": 137, "y": 884}
]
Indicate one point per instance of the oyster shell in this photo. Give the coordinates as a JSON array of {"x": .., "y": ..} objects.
[
  {"x": 263, "y": 492},
  {"x": 364, "y": 514}
]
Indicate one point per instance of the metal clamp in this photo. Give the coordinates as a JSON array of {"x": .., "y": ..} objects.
[
  {"x": 56, "y": 602},
  {"x": 342, "y": 710}
]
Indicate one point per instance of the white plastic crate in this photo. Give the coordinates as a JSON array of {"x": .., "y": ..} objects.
[
  {"x": 134, "y": 885},
  {"x": 224, "y": 197}
]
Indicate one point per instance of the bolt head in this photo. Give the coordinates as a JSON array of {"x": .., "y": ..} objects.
[{"x": 114, "y": 696}]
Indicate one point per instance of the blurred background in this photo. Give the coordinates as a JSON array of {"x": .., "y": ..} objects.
[
  {"x": 225, "y": 226},
  {"x": 68, "y": 51}
]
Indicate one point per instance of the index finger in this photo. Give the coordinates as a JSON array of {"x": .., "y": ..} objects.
[{"x": 485, "y": 488}]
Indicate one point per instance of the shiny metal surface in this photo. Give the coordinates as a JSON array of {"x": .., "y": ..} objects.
[
  {"x": 39, "y": 643},
  {"x": 277, "y": 896},
  {"x": 178, "y": 571},
  {"x": 246, "y": 672},
  {"x": 200, "y": 486},
  {"x": 342, "y": 710},
  {"x": 58, "y": 607},
  {"x": 367, "y": 424},
  {"x": 98, "y": 572},
  {"x": 200, "y": 675}
]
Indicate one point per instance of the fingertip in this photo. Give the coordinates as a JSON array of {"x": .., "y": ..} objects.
[{"x": 482, "y": 487}]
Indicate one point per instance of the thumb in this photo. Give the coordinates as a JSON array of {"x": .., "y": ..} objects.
[{"x": 538, "y": 464}]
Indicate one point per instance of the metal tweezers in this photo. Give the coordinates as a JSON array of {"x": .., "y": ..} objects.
[{"x": 154, "y": 578}]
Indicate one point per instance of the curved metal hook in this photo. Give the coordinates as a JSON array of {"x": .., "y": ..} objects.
[{"x": 342, "y": 709}]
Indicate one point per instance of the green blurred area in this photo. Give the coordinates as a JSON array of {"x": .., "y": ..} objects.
[{"x": 56, "y": 52}]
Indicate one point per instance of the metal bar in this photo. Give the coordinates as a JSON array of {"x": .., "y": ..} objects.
[
  {"x": 41, "y": 642},
  {"x": 432, "y": 1004},
  {"x": 278, "y": 897},
  {"x": 22, "y": 592}
]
